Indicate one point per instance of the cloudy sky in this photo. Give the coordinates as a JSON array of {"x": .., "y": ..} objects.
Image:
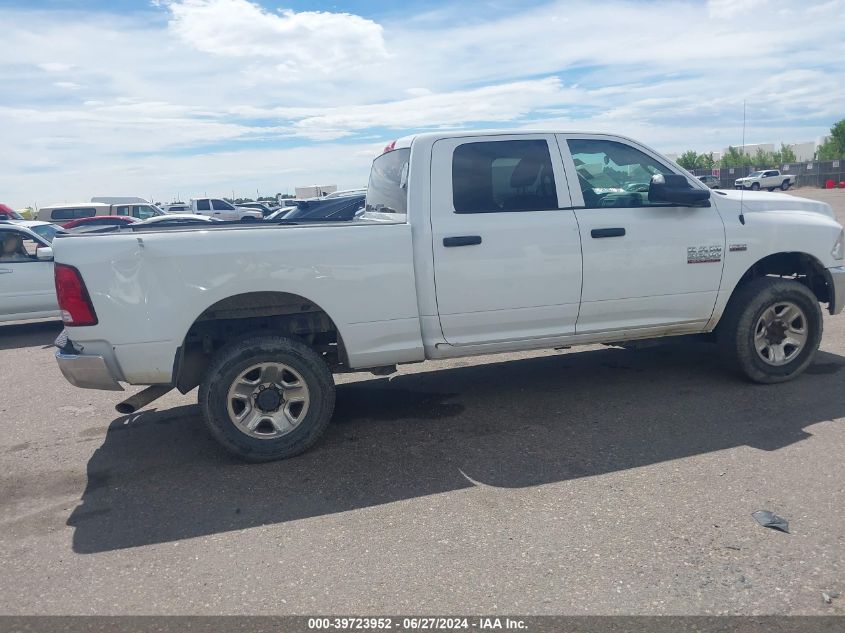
[{"x": 170, "y": 98}]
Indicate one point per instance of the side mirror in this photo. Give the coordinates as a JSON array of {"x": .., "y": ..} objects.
[
  {"x": 675, "y": 189},
  {"x": 44, "y": 254}
]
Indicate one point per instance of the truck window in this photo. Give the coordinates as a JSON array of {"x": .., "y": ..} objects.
[
  {"x": 388, "y": 188},
  {"x": 501, "y": 176},
  {"x": 221, "y": 205},
  {"x": 613, "y": 174},
  {"x": 143, "y": 211},
  {"x": 203, "y": 205}
]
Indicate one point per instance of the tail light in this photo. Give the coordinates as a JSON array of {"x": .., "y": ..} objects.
[
  {"x": 74, "y": 302},
  {"x": 389, "y": 147}
]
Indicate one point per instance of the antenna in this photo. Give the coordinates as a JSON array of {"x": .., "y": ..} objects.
[{"x": 742, "y": 191}]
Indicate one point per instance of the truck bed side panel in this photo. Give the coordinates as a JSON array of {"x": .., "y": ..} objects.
[{"x": 148, "y": 288}]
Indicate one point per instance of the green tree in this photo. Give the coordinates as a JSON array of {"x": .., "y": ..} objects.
[
  {"x": 734, "y": 158},
  {"x": 785, "y": 155},
  {"x": 705, "y": 161},
  {"x": 763, "y": 159},
  {"x": 688, "y": 159},
  {"x": 833, "y": 147}
]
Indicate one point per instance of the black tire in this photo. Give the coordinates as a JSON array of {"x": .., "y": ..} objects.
[
  {"x": 755, "y": 186},
  {"x": 228, "y": 364},
  {"x": 784, "y": 185},
  {"x": 736, "y": 331}
]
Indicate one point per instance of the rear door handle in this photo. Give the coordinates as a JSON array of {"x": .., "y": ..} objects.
[
  {"x": 614, "y": 232},
  {"x": 461, "y": 240}
]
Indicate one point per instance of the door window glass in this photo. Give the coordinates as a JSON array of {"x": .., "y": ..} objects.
[
  {"x": 203, "y": 205},
  {"x": 221, "y": 205},
  {"x": 613, "y": 174},
  {"x": 502, "y": 176}
]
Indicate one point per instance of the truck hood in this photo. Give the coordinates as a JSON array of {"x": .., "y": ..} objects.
[{"x": 763, "y": 201}]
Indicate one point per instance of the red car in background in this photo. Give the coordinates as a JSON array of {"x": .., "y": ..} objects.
[
  {"x": 100, "y": 220},
  {"x": 8, "y": 213}
]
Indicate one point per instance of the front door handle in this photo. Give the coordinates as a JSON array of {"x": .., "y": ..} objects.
[
  {"x": 462, "y": 240},
  {"x": 3, "y": 271},
  {"x": 614, "y": 232}
]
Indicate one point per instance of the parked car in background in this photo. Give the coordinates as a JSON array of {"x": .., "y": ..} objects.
[
  {"x": 770, "y": 179},
  {"x": 280, "y": 213},
  {"x": 256, "y": 206},
  {"x": 222, "y": 210},
  {"x": 176, "y": 207},
  {"x": 8, "y": 213},
  {"x": 27, "y": 289},
  {"x": 361, "y": 191},
  {"x": 327, "y": 209},
  {"x": 45, "y": 230},
  {"x": 177, "y": 218},
  {"x": 101, "y": 220},
  {"x": 710, "y": 181},
  {"x": 139, "y": 211},
  {"x": 65, "y": 213}
]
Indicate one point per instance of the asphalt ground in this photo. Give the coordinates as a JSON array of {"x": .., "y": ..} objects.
[{"x": 592, "y": 481}]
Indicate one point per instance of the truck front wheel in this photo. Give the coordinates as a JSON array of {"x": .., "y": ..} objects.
[
  {"x": 267, "y": 397},
  {"x": 755, "y": 186},
  {"x": 771, "y": 329}
]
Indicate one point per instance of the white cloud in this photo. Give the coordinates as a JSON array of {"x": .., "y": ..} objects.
[
  {"x": 54, "y": 67},
  {"x": 299, "y": 43},
  {"x": 722, "y": 9}
]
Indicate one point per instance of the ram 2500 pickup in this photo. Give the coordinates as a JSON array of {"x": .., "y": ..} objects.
[{"x": 470, "y": 243}]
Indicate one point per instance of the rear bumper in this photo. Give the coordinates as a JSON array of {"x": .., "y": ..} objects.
[
  {"x": 87, "y": 371},
  {"x": 837, "y": 289}
]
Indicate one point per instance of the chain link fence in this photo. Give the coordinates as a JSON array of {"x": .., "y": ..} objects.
[{"x": 808, "y": 174}]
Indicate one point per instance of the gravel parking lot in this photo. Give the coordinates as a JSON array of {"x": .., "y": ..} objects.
[{"x": 592, "y": 481}]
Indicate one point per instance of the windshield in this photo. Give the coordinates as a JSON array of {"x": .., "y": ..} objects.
[
  {"x": 755, "y": 174},
  {"x": 47, "y": 231},
  {"x": 388, "y": 188}
]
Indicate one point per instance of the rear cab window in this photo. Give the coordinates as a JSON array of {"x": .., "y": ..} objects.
[{"x": 387, "y": 191}]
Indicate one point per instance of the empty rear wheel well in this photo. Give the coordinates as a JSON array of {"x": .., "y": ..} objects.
[{"x": 252, "y": 313}]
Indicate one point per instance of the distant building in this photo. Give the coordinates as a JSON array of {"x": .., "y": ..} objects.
[
  {"x": 804, "y": 152},
  {"x": 751, "y": 149},
  {"x": 315, "y": 191}
]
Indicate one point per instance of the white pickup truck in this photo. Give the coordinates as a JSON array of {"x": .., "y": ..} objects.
[
  {"x": 770, "y": 179},
  {"x": 222, "y": 210},
  {"x": 470, "y": 243}
]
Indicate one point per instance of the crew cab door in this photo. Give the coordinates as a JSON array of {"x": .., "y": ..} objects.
[
  {"x": 646, "y": 264},
  {"x": 507, "y": 254}
]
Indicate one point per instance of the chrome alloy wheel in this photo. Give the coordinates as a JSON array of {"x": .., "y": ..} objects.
[
  {"x": 781, "y": 333},
  {"x": 268, "y": 400}
]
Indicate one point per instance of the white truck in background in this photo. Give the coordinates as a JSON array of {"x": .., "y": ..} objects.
[
  {"x": 222, "y": 210},
  {"x": 471, "y": 243},
  {"x": 770, "y": 179}
]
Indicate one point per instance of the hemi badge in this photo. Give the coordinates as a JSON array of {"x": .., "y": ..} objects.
[{"x": 738, "y": 247}]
